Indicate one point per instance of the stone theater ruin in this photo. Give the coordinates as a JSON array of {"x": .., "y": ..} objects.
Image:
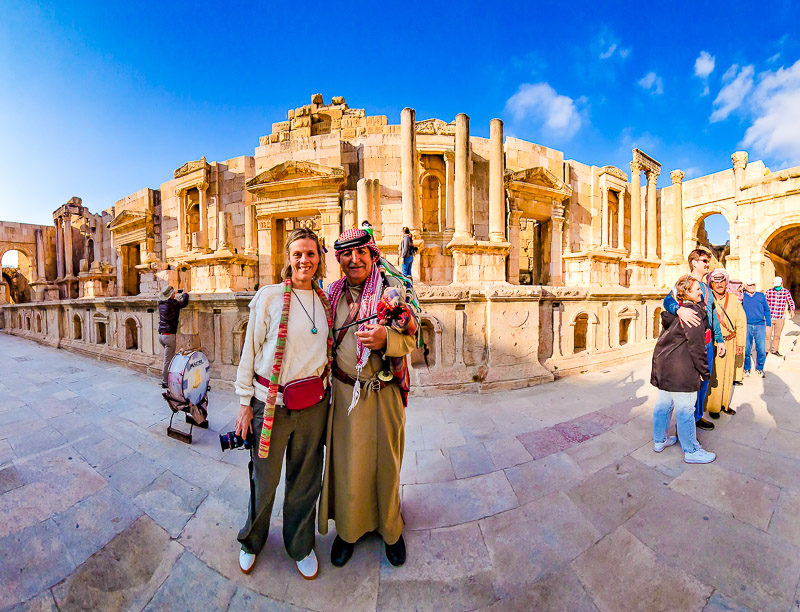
[{"x": 530, "y": 265}]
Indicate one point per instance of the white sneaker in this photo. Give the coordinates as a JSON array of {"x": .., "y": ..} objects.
[
  {"x": 761, "y": 373},
  {"x": 246, "y": 561},
  {"x": 309, "y": 566},
  {"x": 699, "y": 456},
  {"x": 659, "y": 446}
]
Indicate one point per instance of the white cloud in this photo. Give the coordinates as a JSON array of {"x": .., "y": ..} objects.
[
  {"x": 608, "y": 52},
  {"x": 703, "y": 67},
  {"x": 556, "y": 114},
  {"x": 775, "y": 108},
  {"x": 652, "y": 82},
  {"x": 609, "y": 46},
  {"x": 733, "y": 93}
]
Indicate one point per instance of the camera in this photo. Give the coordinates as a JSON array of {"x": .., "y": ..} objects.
[{"x": 229, "y": 441}]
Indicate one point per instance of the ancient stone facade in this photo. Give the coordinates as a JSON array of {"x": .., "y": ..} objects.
[{"x": 530, "y": 266}]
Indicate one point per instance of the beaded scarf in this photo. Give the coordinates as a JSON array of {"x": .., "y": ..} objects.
[{"x": 280, "y": 350}]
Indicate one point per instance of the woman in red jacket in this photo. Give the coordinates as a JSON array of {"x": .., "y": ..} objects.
[{"x": 679, "y": 368}]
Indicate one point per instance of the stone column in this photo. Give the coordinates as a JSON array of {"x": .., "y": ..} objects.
[
  {"x": 605, "y": 218},
  {"x": 59, "y": 248},
  {"x": 203, "y": 207},
  {"x": 68, "y": 267},
  {"x": 224, "y": 225},
  {"x": 362, "y": 202},
  {"x": 181, "y": 218},
  {"x": 349, "y": 211},
  {"x": 636, "y": 210},
  {"x": 98, "y": 243},
  {"x": 408, "y": 168},
  {"x": 674, "y": 241},
  {"x": 39, "y": 233},
  {"x": 621, "y": 221},
  {"x": 739, "y": 159},
  {"x": 374, "y": 201},
  {"x": 463, "y": 225},
  {"x": 556, "y": 237},
  {"x": 497, "y": 195},
  {"x": 249, "y": 229},
  {"x": 652, "y": 217},
  {"x": 514, "y": 239},
  {"x": 449, "y": 163}
]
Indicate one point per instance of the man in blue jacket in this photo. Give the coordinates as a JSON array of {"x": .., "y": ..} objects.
[
  {"x": 758, "y": 322},
  {"x": 699, "y": 264}
]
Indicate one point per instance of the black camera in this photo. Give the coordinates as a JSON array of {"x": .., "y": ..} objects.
[{"x": 229, "y": 441}]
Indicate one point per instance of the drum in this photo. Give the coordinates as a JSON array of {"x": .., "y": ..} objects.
[{"x": 189, "y": 375}]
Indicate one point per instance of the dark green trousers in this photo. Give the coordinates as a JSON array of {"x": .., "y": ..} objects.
[{"x": 300, "y": 435}]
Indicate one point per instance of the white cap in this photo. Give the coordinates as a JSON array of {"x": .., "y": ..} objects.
[
  {"x": 777, "y": 282},
  {"x": 750, "y": 281}
]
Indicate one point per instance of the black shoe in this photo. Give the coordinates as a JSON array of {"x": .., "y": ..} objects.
[
  {"x": 341, "y": 552},
  {"x": 777, "y": 354},
  {"x": 163, "y": 385},
  {"x": 729, "y": 411},
  {"x": 714, "y": 415},
  {"x": 738, "y": 383},
  {"x": 703, "y": 424},
  {"x": 396, "y": 553}
]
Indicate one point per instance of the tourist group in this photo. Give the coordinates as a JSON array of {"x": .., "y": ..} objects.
[{"x": 704, "y": 349}]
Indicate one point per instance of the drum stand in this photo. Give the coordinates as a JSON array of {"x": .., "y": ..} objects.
[{"x": 196, "y": 416}]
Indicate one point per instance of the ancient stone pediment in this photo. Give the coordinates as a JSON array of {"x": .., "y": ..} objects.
[
  {"x": 191, "y": 166},
  {"x": 126, "y": 219},
  {"x": 293, "y": 170},
  {"x": 615, "y": 172},
  {"x": 435, "y": 126},
  {"x": 538, "y": 178}
]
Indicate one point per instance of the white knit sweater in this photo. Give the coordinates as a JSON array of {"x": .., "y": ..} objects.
[{"x": 306, "y": 353}]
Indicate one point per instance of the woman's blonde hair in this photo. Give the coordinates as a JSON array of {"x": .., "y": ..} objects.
[
  {"x": 683, "y": 286},
  {"x": 300, "y": 234}
]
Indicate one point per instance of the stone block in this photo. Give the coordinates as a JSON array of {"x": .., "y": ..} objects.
[
  {"x": 536, "y": 479},
  {"x": 192, "y": 583},
  {"x": 125, "y": 574},
  {"x": 631, "y": 585},
  {"x": 170, "y": 501}
]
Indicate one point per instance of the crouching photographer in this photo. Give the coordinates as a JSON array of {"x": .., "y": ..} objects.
[{"x": 282, "y": 387}]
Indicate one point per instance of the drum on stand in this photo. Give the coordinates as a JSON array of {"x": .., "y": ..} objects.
[{"x": 188, "y": 380}]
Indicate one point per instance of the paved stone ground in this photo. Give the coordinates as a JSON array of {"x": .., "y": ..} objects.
[{"x": 548, "y": 498}]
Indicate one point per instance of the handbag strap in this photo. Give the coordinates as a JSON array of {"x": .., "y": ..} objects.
[{"x": 354, "y": 305}]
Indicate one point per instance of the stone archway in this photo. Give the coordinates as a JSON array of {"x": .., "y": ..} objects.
[
  {"x": 18, "y": 274},
  {"x": 781, "y": 248},
  {"x": 697, "y": 221}
]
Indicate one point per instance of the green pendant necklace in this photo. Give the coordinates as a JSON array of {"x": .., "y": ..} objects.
[{"x": 313, "y": 315}]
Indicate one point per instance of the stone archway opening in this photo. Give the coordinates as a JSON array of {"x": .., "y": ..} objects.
[
  {"x": 783, "y": 251},
  {"x": 17, "y": 274},
  {"x": 713, "y": 232}
]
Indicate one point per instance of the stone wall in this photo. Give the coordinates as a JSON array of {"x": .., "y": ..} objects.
[{"x": 478, "y": 339}]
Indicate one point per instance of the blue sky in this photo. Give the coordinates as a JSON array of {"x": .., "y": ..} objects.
[{"x": 101, "y": 99}]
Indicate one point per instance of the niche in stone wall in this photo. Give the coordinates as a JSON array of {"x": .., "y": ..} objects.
[
  {"x": 429, "y": 336},
  {"x": 39, "y": 322},
  {"x": 131, "y": 335},
  {"x": 431, "y": 197},
  {"x": 579, "y": 333},
  {"x": 656, "y": 322},
  {"x": 239, "y": 334},
  {"x": 624, "y": 331},
  {"x": 77, "y": 328},
  {"x": 101, "y": 332}
]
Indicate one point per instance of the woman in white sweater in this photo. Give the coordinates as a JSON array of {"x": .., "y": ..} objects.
[{"x": 282, "y": 384}]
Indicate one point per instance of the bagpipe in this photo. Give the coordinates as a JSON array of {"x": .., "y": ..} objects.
[{"x": 398, "y": 308}]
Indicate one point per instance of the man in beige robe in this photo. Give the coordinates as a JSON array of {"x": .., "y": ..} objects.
[
  {"x": 366, "y": 429},
  {"x": 733, "y": 323}
]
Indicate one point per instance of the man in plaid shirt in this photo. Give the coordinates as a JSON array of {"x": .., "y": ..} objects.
[{"x": 778, "y": 298}]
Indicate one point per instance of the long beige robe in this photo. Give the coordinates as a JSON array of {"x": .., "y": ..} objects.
[
  {"x": 723, "y": 374},
  {"x": 361, "y": 485}
]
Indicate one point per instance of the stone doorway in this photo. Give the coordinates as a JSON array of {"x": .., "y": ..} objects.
[
  {"x": 17, "y": 274},
  {"x": 131, "y": 257},
  {"x": 783, "y": 253},
  {"x": 281, "y": 228},
  {"x": 531, "y": 258}
]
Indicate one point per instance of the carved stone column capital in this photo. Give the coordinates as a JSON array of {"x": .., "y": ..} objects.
[
  {"x": 676, "y": 176},
  {"x": 739, "y": 159},
  {"x": 449, "y": 157},
  {"x": 652, "y": 175},
  {"x": 636, "y": 167}
]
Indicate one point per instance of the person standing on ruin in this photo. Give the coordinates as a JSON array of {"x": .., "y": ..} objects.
[
  {"x": 780, "y": 300},
  {"x": 699, "y": 262},
  {"x": 680, "y": 367},
  {"x": 169, "y": 310},
  {"x": 366, "y": 425},
  {"x": 756, "y": 310},
  {"x": 733, "y": 322},
  {"x": 406, "y": 252},
  {"x": 282, "y": 384}
]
